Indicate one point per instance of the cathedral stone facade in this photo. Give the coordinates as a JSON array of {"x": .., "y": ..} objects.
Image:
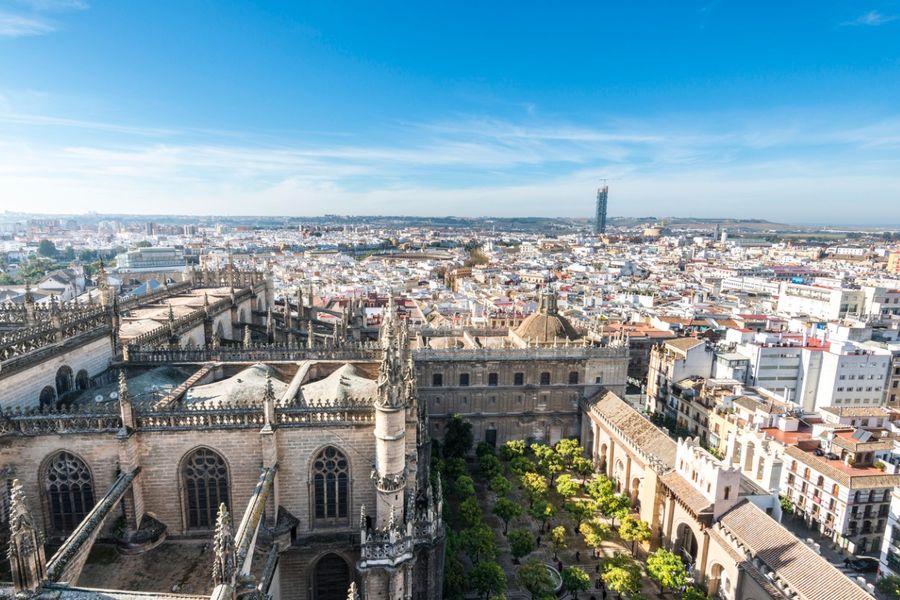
[{"x": 281, "y": 436}]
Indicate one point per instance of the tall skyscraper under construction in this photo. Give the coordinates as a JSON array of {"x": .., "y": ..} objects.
[{"x": 600, "y": 218}]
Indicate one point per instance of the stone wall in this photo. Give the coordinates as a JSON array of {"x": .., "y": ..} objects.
[{"x": 23, "y": 389}]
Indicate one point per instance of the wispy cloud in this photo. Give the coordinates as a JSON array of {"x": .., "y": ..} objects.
[
  {"x": 54, "y": 5},
  {"x": 15, "y": 26},
  {"x": 873, "y": 18},
  {"x": 764, "y": 165}
]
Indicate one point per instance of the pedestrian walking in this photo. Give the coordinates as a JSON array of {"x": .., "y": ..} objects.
[{"x": 578, "y": 556}]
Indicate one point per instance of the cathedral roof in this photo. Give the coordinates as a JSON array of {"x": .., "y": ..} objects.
[
  {"x": 346, "y": 382},
  {"x": 247, "y": 387}
]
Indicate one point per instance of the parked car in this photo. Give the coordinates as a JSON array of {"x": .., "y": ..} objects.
[{"x": 862, "y": 564}]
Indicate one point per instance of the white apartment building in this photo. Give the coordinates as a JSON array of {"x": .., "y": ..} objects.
[
  {"x": 774, "y": 366},
  {"x": 820, "y": 302},
  {"x": 673, "y": 361},
  {"x": 851, "y": 375},
  {"x": 881, "y": 303}
]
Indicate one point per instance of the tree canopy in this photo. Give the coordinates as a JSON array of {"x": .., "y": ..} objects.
[
  {"x": 667, "y": 569},
  {"x": 488, "y": 578},
  {"x": 534, "y": 577},
  {"x": 458, "y": 439}
]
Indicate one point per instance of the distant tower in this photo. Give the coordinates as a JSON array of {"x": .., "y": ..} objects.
[{"x": 600, "y": 218}]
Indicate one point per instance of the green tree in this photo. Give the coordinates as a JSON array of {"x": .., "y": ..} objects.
[
  {"x": 787, "y": 507},
  {"x": 634, "y": 530},
  {"x": 566, "y": 486},
  {"x": 579, "y": 510},
  {"x": 521, "y": 543},
  {"x": 465, "y": 487},
  {"x": 542, "y": 510},
  {"x": 694, "y": 593},
  {"x": 470, "y": 512},
  {"x": 583, "y": 467},
  {"x": 534, "y": 577},
  {"x": 454, "y": 577},
  {"x": 622, "y": 575},
  {"x": 512, "y": 449},
  {"x": 549, "y": 462},
  {"x": 500, "y": 485},
  {"x": 506, "y": 509},
  {"x": 478, "y": 542},
  {"x": 46, "y": 248},
  {"x": 558, "y": 540},
  {"x": 490, "y": 466},
  {"x": 889, "y": 586},
  {"x": 521, "y": 465},
  {"x": 535, "y": 487},
  {"x": 459, "y": 439},
  {"x": 595, "y": 532},
  {"x": 600, "y": 487},
  {"x": 454, "y": 467},
  {"x": 667, "y": 569},
  {"x": 568, "y": 450},
  {"x": 488, "y": 578},
  {"x": 614, "y": 507},
  {"x": 575, "y": 580},
  {"x": 483, "y": 449}
]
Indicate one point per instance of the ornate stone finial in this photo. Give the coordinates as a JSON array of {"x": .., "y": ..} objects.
[
  {"x": 26, "y": 545},
  {"x": 353, "y": 592},
  {"x": 29, "y": 297},
  {"x": 268, "y": 404},
  {"x": 126, "y": 408},
  {"x": 248, "y": 338},
  {"x": 310, "y": 335},
  {"x": 205, "y": 300},
  {"x": 224, "y": 567},
  {"x": 392, "y": 520},
  {"x": 216, "y": 340},
  {"x": 362, "y": 516},
  {"x": 124, "y": 396},
  {"x": 171, "y": 317}
]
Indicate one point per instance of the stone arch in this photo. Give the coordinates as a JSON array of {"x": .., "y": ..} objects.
[
  {"x": 686, "y": 543},
  {"x": 330, "y": 578},
  {"x": 718, "y": 584},
  {"x": 748, "y": 456},
  {"x": 82, "y": 380},
  {"x": 635, "y": 490},
  {"x": 601, "y": 460},
  {"x": 65, "y": 380},
  {"x": 68, "y": 491},
  {"x": 330, "y": 476},
  {"x": 48, "y": 396},
  {"x": 205, "y": 484},
  {"x": 619, "y": 475}
]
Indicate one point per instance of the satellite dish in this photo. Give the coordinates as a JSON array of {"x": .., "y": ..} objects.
[
  {"x": 113, "y": 395},
  {"x": 98, "y": 398}
]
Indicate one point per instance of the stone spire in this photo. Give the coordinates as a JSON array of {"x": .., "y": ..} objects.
[
  {"x": 126, "y": 408},
  {"x": 269, "y": 404},
  {"x": 248, "y": 338},
  {"x": 224, "y": 567},
  {"x": 270, "y": 326},
  {"x": 310, "y": 335},
  {"x": 26, "y": 546},
  {"x": 362, "y": 516}
]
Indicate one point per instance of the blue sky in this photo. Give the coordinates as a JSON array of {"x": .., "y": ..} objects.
[{"x": 782, "y": 110}]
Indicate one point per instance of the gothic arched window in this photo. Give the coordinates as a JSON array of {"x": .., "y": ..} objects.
[
  {"x": 331, "y": 578},
  {"x": 70, "y": 491},
  {"x": 331, "y": 484},
  {"x": 205, "y": 477}
]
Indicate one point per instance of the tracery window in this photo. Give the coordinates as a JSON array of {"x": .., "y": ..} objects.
[
  {"x": 205, "y": 477},
  {"x": 70, "y": 491},
  {"x": 331, "y": 484}
]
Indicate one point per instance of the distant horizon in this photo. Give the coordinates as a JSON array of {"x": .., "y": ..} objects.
[{"x": 586, "y": 219}]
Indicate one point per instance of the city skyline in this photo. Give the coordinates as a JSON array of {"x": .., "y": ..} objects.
[{"x": 303, "y": 111}]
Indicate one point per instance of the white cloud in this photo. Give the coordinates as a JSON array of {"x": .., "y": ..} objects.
[
  {"x": 54, "y": 5},
  {"x": 14, "y": 26},
  {"x": 769, "y": 166},
  {"x": 873, "y": 18}
]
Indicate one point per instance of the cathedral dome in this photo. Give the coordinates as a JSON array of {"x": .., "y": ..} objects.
[
  {"x": 347, "y": 382},
  {"x": 546, "y": 325},
  {"x": 247, "y": 387}
]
